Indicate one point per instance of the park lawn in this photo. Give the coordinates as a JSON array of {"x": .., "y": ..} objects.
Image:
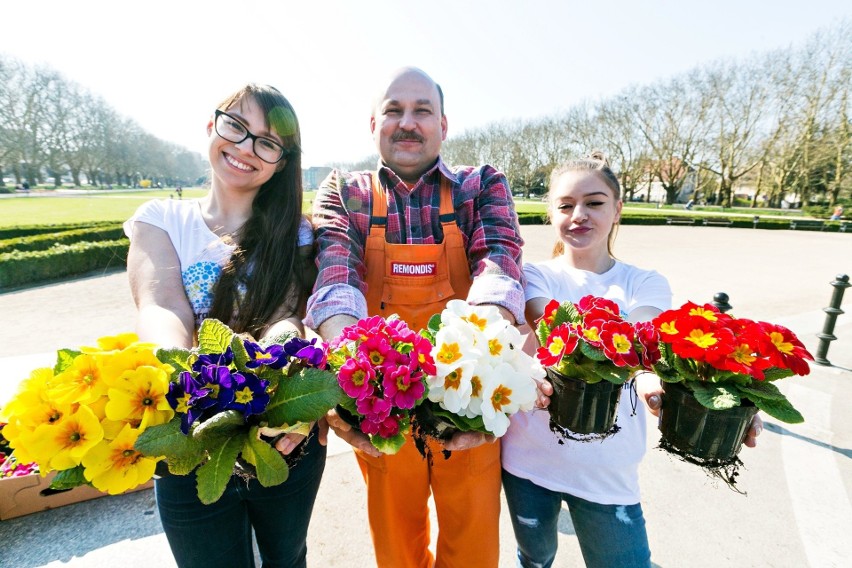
[{"x": 23, "y": 210}]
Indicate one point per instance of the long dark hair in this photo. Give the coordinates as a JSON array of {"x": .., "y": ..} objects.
[{"x": 267, "y": 262}]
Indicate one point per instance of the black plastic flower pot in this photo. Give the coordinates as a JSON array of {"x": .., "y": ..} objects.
[
  {"x": 432, "y": 424},
  {"x": 581, "y": 407},
  {"x": 701, "y": 432}
]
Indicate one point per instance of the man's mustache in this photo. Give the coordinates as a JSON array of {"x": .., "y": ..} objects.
[{"x": 400, "y": 136}]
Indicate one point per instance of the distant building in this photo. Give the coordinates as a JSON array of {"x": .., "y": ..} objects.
[{"x": 312, "y": 177}]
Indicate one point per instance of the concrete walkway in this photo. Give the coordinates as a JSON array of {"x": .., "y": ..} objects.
[{"x": 797, "y": 512}]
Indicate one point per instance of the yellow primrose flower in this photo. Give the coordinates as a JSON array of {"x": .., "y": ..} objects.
[
  {"x": 133, "y": 357},
  {"x": 139, "y": 397},
  {"x": 63, "y": 444},
  {"x": 112, "y": 343},
  {"x": 31, "y": 392},
  {"x": 81, "y": 382},
  {"x": 116, "y": 466}
]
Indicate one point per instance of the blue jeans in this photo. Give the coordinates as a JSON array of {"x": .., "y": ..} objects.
[
  {"x": 220, "y": 534},
  {"x": 609, "y": 535}
]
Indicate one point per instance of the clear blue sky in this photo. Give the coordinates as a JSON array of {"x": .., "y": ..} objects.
[{"x": 166, "y": 64}]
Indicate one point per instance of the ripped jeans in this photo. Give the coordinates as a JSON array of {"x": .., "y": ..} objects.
[{"x": 609, "y": 535}]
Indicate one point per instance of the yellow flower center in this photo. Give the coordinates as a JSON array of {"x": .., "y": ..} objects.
[
  {"x": 477, "y": 385},
  {"x": 709, "y": 315},
  {"x": 668, "y": 328},
  {"x": 556, "y": 346},
  {"x": 376, "y": 358},
  {"x": 453, "y": 380},
  {"x": 477, "y": 321},
  {"x": 500, "y": 397},
  {"x": 495, "y": 347},
  {"x": 778, "y": 340},
  {"x": 743, "y": 354},
  {"x": 701, "y": 339},
  {"x": 358, "y": 377},
  {"x": 621, "y": 343},
  {"x": 449, "y": 353},
  {"x": 243, "y": 396},
  {"x": 592, "y": 334}
]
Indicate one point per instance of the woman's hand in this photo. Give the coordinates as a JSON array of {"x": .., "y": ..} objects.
[
  {"x": 543, "y": 391},
  {"x": 649, "y": 389},
  {"x": 287, "y": 443}
]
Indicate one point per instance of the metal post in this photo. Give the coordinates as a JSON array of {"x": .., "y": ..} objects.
[
  {"x": 831, "y": 313},
  {"x": 720, "y": 300},
  {"x": 755, "y": 221}
]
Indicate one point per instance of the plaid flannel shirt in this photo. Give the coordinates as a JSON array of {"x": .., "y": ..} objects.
[{"x": 485, "y": 214}]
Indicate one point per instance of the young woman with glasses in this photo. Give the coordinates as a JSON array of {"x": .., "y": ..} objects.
[{"x": 241, "y": 254}]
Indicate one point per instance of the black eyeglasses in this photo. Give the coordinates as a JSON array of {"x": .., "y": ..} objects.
[{"x": 235, "y": 131}]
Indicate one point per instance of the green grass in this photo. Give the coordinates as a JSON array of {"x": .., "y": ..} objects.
[{"x": 23, "y": 210}]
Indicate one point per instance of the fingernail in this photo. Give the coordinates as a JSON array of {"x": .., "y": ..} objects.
[
  {"x": 757, "y": 430},
  {"x": 654, "y": 400}
]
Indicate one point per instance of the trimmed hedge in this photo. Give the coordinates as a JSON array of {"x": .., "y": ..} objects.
[
  {"x": 27, "y": 230},
  {"x": 28, "y": 267},
  {"x": 47, "y": 240}
]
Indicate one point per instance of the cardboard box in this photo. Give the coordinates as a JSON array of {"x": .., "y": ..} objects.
[{"x": 30, "y": 494}]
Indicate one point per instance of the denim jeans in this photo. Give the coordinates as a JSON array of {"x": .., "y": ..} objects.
[
  {"x": 609, "y": 535},
  {"x": 220, "y": 534}
]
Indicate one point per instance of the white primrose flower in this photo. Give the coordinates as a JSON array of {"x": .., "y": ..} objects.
[
  {"x": 479, "y": 317},
  {"x": 453, "y": 388},
  {"x": 502, "y": 344},
  {"x": 505, "y": 392},
  {"x": 474, "y": 407}
]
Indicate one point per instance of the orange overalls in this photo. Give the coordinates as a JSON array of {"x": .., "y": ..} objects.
[{"x": 416, "y": 282}]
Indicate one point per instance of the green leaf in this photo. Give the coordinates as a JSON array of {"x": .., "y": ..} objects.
[
  {"x": 566, "y": 312},
  {"x": 177, "y": 358},
  {"x": 716, "y": 397},
  {"x": 304, "y": 397},
  {"x": 64, "y": 359},
  {"x": 388, "y": 446},
  {"x": 218, "y": 428},
  {"x": 69, "y": 478},
  {"x": 214, "y": 336},
  {"x": 182, "y": 452},
  {"x": 541, "y": 332},
  {"x": 278, "y": 339},
  {"x": 775, "y": 373},
  {"x": 268, "y": 462},
  {"x": 593, "y": 353},
  {"x": 616, "y": 375},
  {"x": 213, "y": 476},
  {"x": 760, "y": 389},
  {"x": 241, "y": 356},
  {"x": 779, "y": 409},
  {"x": 463, "y": 423}
]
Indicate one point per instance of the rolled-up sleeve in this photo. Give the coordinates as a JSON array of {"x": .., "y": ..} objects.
[
  {"x": 489, "y": 219},
  {"x": 340, "y": 227}
]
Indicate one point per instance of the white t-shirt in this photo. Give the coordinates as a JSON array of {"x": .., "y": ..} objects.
[
  {"x": 604, "y": 472},
  {"x": 202, "y": 252}
]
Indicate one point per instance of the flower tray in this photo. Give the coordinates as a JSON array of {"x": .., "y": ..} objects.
[
  {"x": 699, "y": 432},
  {"x": 581, "y": 407},
  {"x": 31, "y": 493}
]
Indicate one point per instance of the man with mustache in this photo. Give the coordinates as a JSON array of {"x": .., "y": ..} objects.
[{"x": 406, "y": 239}]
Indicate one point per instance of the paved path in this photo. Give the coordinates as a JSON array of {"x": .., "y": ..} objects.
[{"x": 797, "y": 512}]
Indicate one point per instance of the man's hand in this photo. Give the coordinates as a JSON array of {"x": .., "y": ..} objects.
[
  {"x": 348, "y": 434},
  {"x": 467, "y": 440}
]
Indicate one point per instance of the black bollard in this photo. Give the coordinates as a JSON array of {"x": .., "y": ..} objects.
[
  {"x": 831, "y": 312},
  {"x": 755, "y": 221},
  {"x": 720, "y": 300}
]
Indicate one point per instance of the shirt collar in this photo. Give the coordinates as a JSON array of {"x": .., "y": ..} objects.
[{"x": 389, "y": 176}]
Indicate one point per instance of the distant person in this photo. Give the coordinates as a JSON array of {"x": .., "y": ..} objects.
[
  {"x": 179, "y": 191},
  {"x": 838, "y": 213},
  {"x": 237, "y": 255}
]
